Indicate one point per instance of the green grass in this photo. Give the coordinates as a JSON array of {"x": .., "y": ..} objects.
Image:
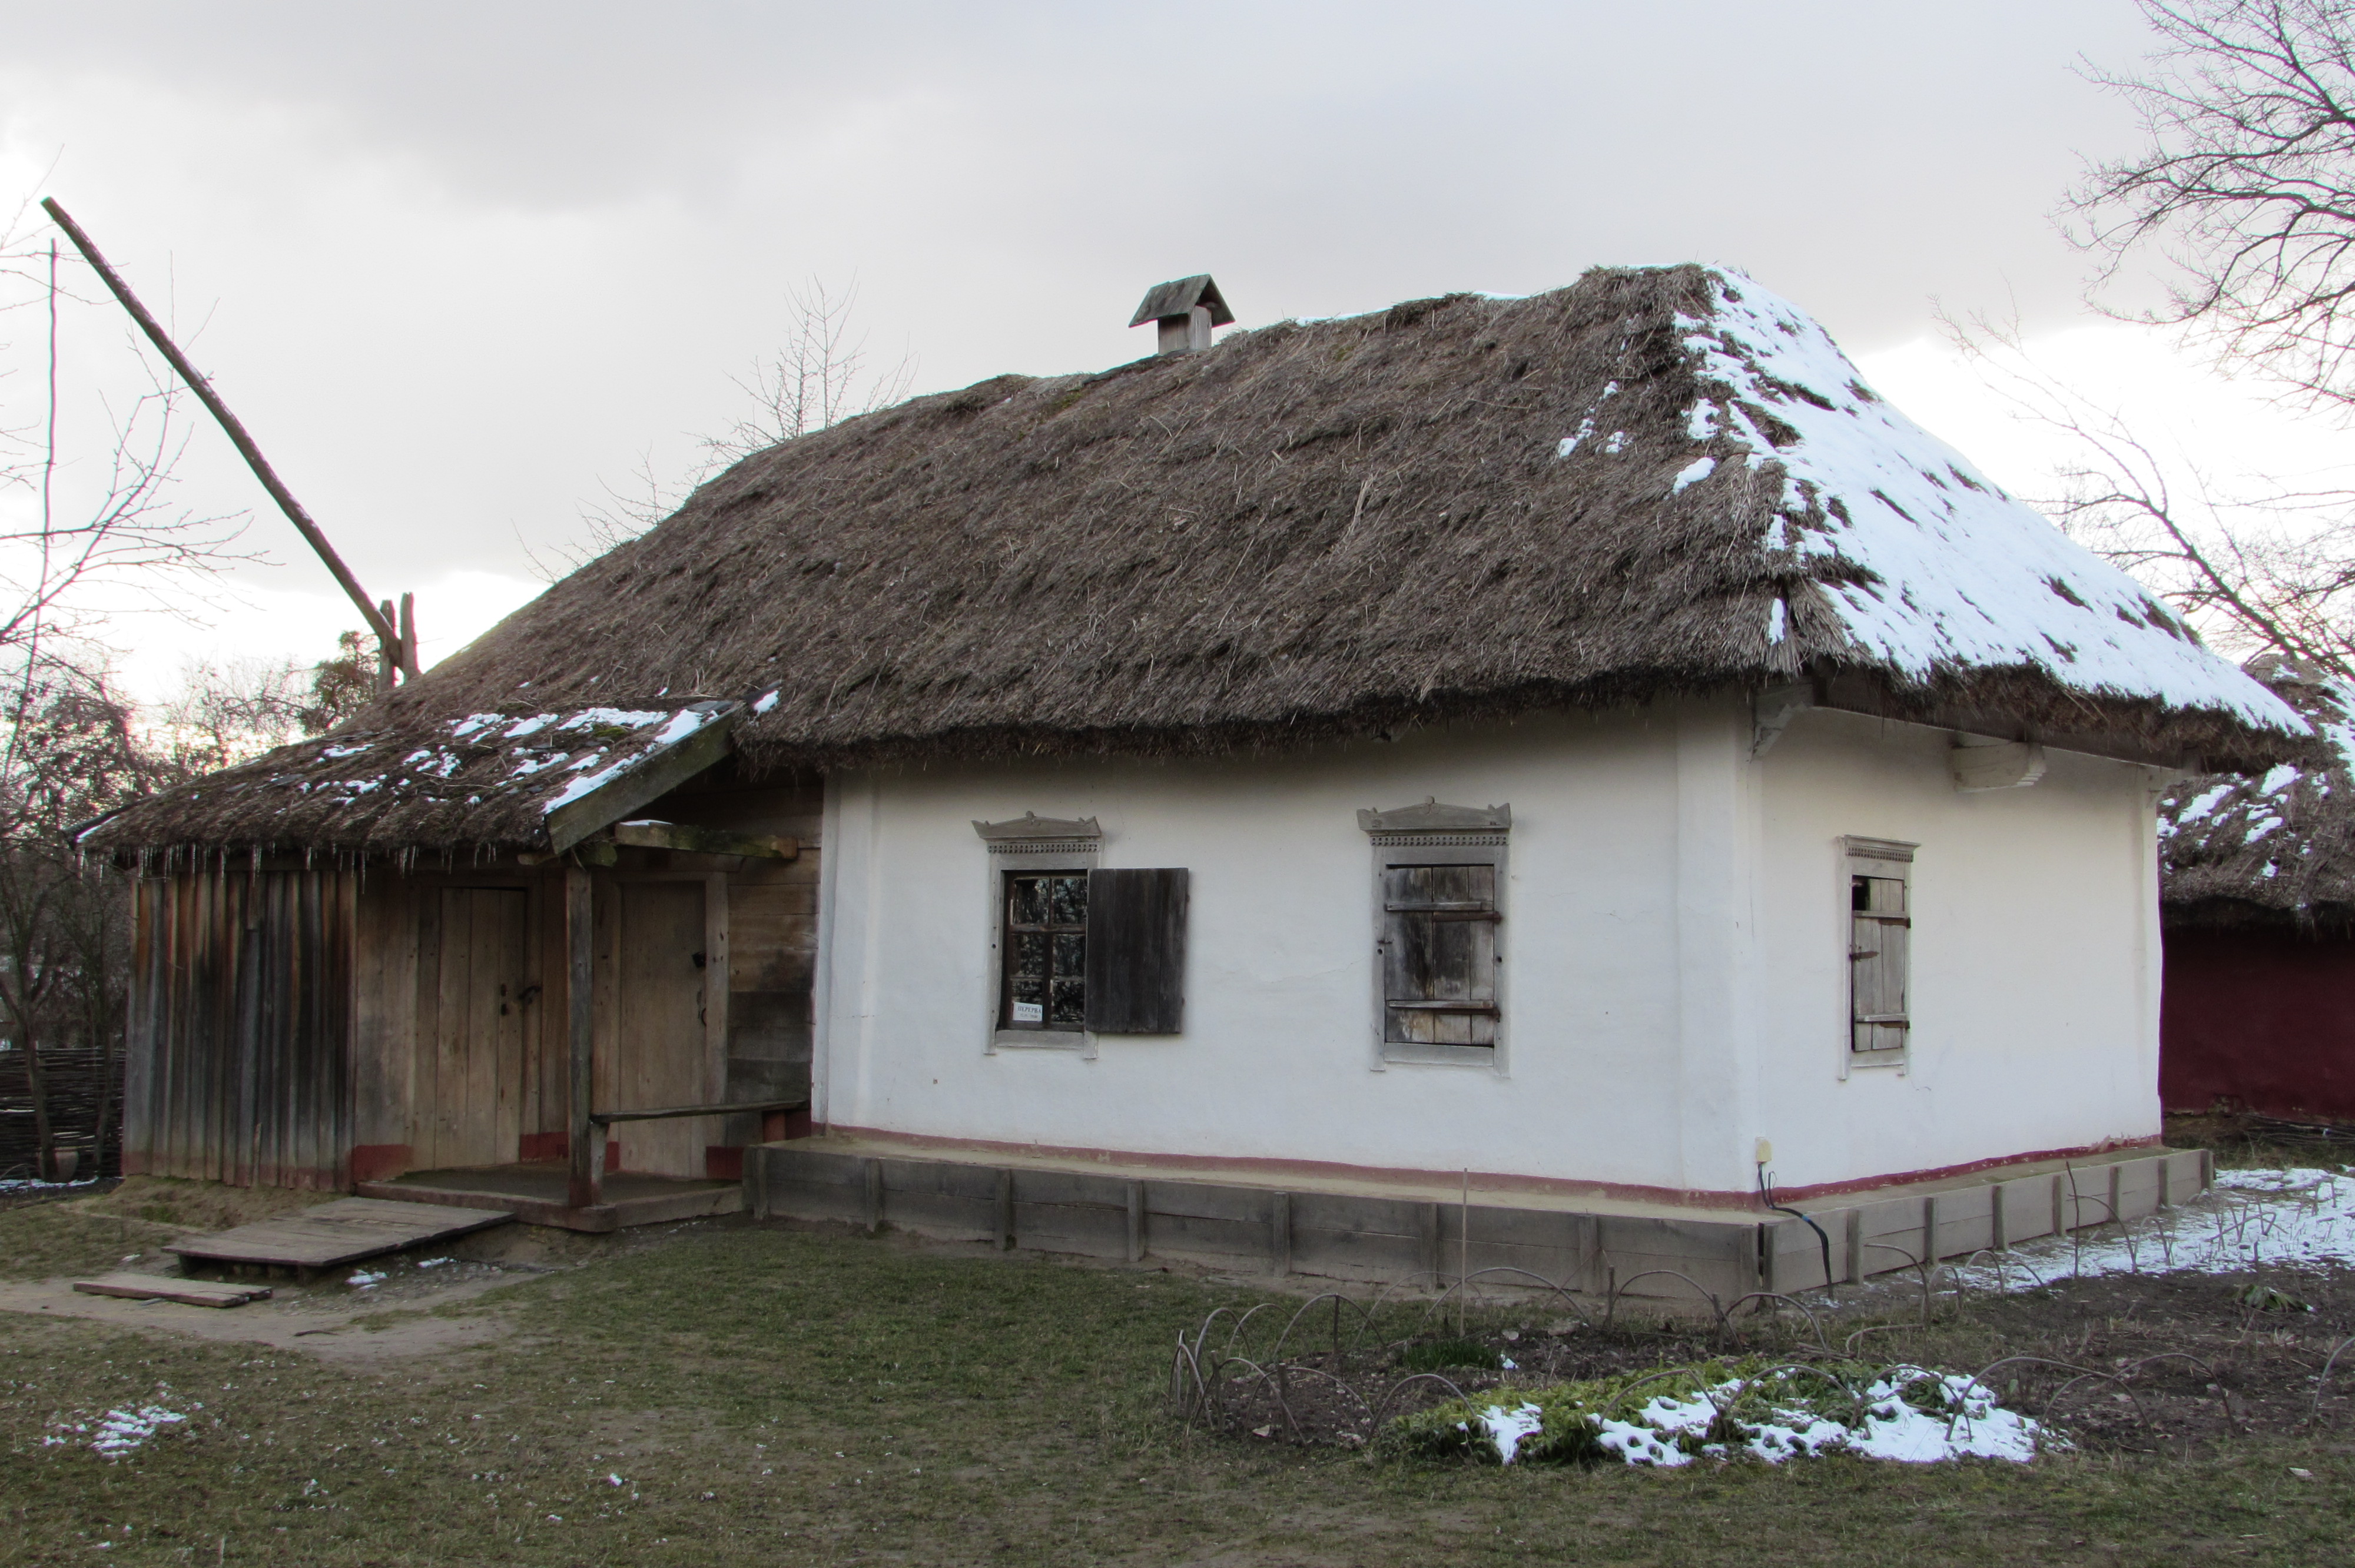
[{"x": 785, "y": 1397}]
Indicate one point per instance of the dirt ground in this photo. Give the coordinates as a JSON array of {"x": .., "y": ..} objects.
[
  {"x": 2125, "y": 1363},
  {"x": 807, "y": 1395}
]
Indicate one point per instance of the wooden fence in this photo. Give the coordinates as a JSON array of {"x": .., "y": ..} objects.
[{"x": 73, "y": 1080}]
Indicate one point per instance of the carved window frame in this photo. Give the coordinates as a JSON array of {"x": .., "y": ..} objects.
[
  {"x": 1436, "y": 834},
  {"x": 1032, "y": 843}
]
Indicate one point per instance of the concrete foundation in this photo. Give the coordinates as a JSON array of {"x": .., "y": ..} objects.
[{"x": 1367, "y": 1231}]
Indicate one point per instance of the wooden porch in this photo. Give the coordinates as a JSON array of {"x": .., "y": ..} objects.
[{"x": 539, "y": 1194}]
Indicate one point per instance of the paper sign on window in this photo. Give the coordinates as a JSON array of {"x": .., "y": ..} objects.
[{"x": 1029, "y": 1013}]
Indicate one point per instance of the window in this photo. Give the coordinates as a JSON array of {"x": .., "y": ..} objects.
[
  {"x": 1081, "y": 950},
  {"x": 1046, "y": 950},
  {"x": 1438, "y": 878},
  {"x": 1439, "y": 955},
  {"x": 1880, "y": 942}
]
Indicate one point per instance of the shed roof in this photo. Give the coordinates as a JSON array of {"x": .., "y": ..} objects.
[
  {"x": 2272, "y": 848},
  {"x": 1656, "y": 481}
]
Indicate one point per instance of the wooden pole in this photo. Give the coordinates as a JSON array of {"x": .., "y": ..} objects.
[
  {"x": 377, "y": 622},
  {"x": 588, "y": 1141},
  {"x": 408, "y": 670}
]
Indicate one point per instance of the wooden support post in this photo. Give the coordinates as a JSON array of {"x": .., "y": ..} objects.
[
  {"x": 588, "y": 1141},
  {"x": 1765, "y": 1258},
  {"x": 1855, "y": 1240},
  {"x": 1999, "y": 1234},
  {"x": 1929, "y": 1230},
  {"x": 2117, "y": 1194},
  {"x": 2166, "y": 1196},
  {"x": 388, "y": 661},
  {"x": 1279, "y": 1232},
  {"x": 874, "y": 1171},
  {"x": 1005, "y": 1211},
  {"x": 408, "y": 668},
  {"x": 2064, "y": 1221},
  {"x": 1135, "y": 1222}
]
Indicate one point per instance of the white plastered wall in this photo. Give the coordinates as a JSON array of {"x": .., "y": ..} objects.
[
  {"x": 1674, "y": 954},
  {"x": 2034, "y": 984}
]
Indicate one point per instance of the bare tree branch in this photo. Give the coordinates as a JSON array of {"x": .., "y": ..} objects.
[
  {"x": 817, "y": 378},
  {"x": 2245, "y": 191},
  {"x": 2255, "y": 565}
]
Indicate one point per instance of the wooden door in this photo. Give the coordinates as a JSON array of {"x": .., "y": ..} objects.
[
  {"x": 662, "y": 1053},
  {"x": 471, "y": 1110}
]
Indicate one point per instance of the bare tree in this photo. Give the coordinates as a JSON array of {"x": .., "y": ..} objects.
[
  {"x": 820, "y": 375},
  {"x": 2252, "y": 563},
  {"x": 76, "y": 545},
  {"x": 2245, "y": 191}
]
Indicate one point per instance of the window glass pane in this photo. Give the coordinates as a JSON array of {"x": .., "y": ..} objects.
[
  {"x": 1068, "y": 900},
  {"x": 1071, "y": 953},
  {"x": 1030, "y": 959},
  {"x": 1029, "y": 900},
  {"x": 1071, "y": 1002}
]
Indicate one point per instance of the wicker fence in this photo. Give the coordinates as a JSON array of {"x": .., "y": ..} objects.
[{"x": 74, "y": 1080}]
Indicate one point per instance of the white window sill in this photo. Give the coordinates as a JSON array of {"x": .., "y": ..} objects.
[
  {"x": 1876, "y": 1059},
  {"x": 1073, "y": 1040},
  {"x": 1413, "y": 1055}
]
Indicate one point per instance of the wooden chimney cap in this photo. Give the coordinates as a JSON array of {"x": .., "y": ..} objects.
[{"x": 1178, "y": 297}]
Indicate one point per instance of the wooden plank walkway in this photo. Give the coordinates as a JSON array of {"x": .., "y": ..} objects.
[
  {"x": 163, "y": 1287},
  {"x": 333, "y": 1235}
]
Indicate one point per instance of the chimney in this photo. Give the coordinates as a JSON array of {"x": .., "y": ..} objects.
[{"x": 1187, "y": 310}]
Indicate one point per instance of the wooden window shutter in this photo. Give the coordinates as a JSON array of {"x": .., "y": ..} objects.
[
  {"x": 1879, "y": 933},
  {"x": 1439, "y": 955},
  {"x": 1137, "y": 951}
]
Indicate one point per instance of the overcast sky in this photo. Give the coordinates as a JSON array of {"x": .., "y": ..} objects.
[{"x": 457, "y": 265}]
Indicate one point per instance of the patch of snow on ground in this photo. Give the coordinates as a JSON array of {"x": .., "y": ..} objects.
[
  {"x": 1967, "y": 575},
  {"x": 2253, "y": 1219},
  {"x": 1508, "y": 1427},
  {"x": 120, "y": 1432},
  {"x": 1969, "y": 1424}
]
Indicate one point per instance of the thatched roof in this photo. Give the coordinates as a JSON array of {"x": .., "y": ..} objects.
[
  {"x": 1657, "y": 481},
  {"x": 2274, "y": 848}
]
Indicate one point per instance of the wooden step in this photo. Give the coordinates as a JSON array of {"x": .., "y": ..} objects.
[
  {"x": 333, "y": 1235},
  {"x": 163, "y": 1287}
]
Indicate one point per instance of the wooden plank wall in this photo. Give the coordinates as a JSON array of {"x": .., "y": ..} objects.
[
  {"x": 236, "y": 1057},
  {"x": 771, "y": 939}
]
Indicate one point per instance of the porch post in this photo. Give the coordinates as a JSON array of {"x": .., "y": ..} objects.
[{"x": 587, "y": 1141}]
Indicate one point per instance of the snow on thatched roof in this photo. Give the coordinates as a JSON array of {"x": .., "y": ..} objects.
[
  {"x": 2280, "y": 846},
  {"x": 1657, "y": 481}
]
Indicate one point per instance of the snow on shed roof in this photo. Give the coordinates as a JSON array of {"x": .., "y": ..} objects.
[
  {"x": 491, "y": 776},
  {"x": 2238, "y": 848}
]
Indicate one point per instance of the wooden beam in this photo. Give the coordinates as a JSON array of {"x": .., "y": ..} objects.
[
  {"x": 586, "y": 1189},
  {"x": 705, "y": 841},
  {"x": 675, "y": 1111},
  {"x": 656, "y": 777},
  {"x": 377, "y": 622}
]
